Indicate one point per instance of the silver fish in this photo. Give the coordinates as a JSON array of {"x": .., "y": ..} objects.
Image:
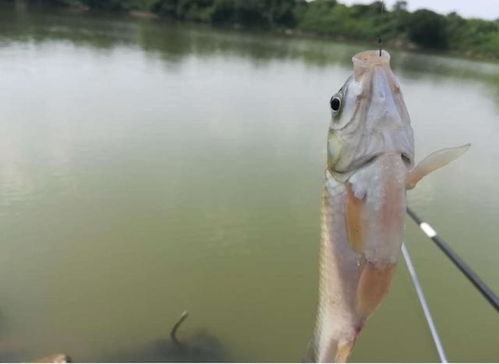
[{"x": 370, "y": 165}]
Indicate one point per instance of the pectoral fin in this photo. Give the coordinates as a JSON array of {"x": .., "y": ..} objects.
[{"x": 434, "y": 161}]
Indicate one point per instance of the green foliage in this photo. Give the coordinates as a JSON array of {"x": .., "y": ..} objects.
[
  {"x": 248, "y": 12},
  {"x": 422, "y": 28},
  {"x": 223, "y": 12},
  {"x": 166, "y": 8},
  {"x": 400, "y": 5},
  {"x": 474, "y": 35},
  {"x": 428, "y": 29},
  {"x": 254, "y": 12},
  {"x": 317, "y": 16},
  {"x": 281, "y": 12},
  {"x": 140, "y": 4},
  {"x": 192, "y": 10},
  {"x": 104, "y": 4}
]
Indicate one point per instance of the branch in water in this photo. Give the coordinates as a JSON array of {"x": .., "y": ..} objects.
[{"x": 173, "y": 333}]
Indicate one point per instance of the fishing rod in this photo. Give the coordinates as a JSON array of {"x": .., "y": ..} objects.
[{"x": 485, "y": 290}]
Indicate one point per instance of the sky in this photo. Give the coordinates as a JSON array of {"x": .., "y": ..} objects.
[{"x": 486, "y": 9}]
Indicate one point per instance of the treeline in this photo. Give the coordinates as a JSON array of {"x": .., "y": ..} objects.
[{"x": 398, "y": 26}]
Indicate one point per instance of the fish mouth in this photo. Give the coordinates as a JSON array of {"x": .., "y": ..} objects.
[
  {"x": 367, "y": 60},
  {"x": 372, "y": 57}
]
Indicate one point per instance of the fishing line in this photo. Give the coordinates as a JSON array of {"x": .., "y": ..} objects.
[
  {"x": 380, "y": 41},
  {"x": 424, "y": 304}
]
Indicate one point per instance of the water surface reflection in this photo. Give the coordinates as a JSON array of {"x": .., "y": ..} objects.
[{"x": 148, "y": 167}]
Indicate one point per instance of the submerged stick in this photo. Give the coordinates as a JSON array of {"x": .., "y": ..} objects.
[{"x": 173, "y": 332}]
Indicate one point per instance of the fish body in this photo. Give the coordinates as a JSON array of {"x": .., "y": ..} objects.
[{"x": 369, "y": 168}]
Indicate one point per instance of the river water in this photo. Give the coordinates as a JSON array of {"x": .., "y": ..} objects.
[{"x": 149, "y": 167}]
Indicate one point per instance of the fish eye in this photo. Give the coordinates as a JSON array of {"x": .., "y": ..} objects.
[{"x": 335, "y": 103}]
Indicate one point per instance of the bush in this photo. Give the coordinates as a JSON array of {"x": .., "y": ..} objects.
[
  {"x": 428, "y": 29},
  {"x": 425, "y": 28}
]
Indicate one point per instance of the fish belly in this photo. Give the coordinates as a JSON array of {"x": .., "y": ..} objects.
[
  {"x": 355, "y": 276},
  {"x": 337, "y": 321}
]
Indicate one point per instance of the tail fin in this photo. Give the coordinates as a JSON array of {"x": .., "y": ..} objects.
[{"x": 335, "y": 352}]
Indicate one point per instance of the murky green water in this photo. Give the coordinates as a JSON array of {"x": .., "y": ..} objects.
[{"x": 149, "y": 167}]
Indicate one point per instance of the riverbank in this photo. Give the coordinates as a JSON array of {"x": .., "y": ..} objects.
[{"x": 422, "y": 30}]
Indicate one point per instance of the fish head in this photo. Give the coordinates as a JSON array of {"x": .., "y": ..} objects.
[{"x": 369, "y": 117}]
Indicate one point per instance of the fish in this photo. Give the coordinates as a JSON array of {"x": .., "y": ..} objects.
[{"x": 370, "y": 166}]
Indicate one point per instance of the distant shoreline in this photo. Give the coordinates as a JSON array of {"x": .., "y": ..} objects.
[
  {"x": 289, "y": 32},
  {"x": 390, "y": 45},
  {"x": 422, "y": 30}
]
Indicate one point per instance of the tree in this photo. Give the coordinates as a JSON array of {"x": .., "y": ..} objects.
[
  {"x": 400, "y": 5},
  {"x": 280, "y": 12},
  {"x": 166, "y": 8},
  {"x": 428, "y": 29},
  {"x": 104, "y": 4}
]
